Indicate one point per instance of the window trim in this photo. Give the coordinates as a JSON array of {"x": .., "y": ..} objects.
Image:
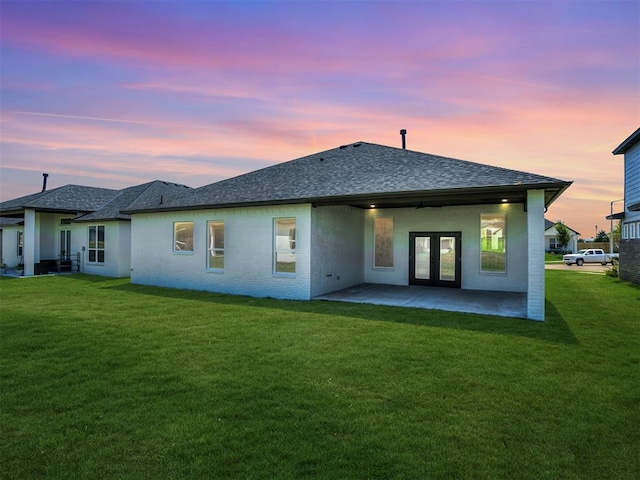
[
  {"x": 291, "y": 250},
  {"x": 375, "y": 244},
  {"x": 97, "y": 249},
  {"x": 193, "y": 231},
  {"x": 212, "y": 248}
]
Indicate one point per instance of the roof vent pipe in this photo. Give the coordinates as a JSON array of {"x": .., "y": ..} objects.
[
  {"x": 44, "y": 181},
  {"x": 403, "y": 132}
]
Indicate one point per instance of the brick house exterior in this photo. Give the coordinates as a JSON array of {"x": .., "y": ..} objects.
[
  {"x": 630, "y": 238},
  {"x": 359, "y": 213},
  {"x": 80, "y": 227}
]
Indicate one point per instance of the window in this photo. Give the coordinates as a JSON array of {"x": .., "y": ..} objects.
[
  {"x": 20, "y": 243},
  {"x": 216, "y": 245},
  {"x": 284, "y": 230},
  {"x": 632, "y": 231},
  {"x": 383, "y": 243},
  {"x": 96, "y": 243},
  {"x": 493, "y": 245},
  {"x": 65, "y": 244},
  {"x": 625, "y": 231},
  {"x": 183, "y": 237}
]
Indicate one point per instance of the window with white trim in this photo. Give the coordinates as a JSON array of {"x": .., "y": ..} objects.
[
  {"x": 383, "y": 242},
  {"x": 96, "y": 243},
  {"x": 493, "y": 243},
  {"x": 20, "y": 243},
  {"x": 632, "y": 231},
  {"x": 216, "y": 245},
  {"x": 183, "y": 237},
  {"x": 284, "y": 242},
  {"x": 625, "y": 231}
]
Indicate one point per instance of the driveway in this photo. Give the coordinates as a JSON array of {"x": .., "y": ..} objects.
[{"x": 586, "y": 268}]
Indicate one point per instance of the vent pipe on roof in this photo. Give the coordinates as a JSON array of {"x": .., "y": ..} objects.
[
  {"x": 44, "y": 181},
  {"x": 403, "y": 132}
]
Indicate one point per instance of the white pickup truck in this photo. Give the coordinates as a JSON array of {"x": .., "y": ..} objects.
[{"x": 590, "y": 255}]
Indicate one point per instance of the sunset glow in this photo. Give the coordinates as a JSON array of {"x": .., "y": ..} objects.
[{"x": 114, "y": 94}]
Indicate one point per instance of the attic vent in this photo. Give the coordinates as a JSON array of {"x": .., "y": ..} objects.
[
  {"x": 342, "y": 147},
  {"x": 356, "y": 145},
  {"x": 65, "y": 221},
  {"x": 321, "y": 159}
]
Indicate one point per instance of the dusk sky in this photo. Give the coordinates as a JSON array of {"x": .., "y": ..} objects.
[{"x": 114, "y": 94}]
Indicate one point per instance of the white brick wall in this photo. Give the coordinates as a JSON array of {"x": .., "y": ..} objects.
[
  {"x": 336, "y": 242},
  {"x": 535, "y": 241},
  {"x": 248, "y": 252},
  {"x": 336, "y": 248},
  {"x": 10, "y": 245}
]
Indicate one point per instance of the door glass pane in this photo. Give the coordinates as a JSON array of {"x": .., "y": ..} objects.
[
  {"x": 448, "y": 258},
  {"x": 422, "y": 258}
]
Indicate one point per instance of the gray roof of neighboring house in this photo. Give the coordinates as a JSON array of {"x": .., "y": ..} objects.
[
  {"x": 130, "y": 197},
  {"x": 362, "y": 173},
  {"x": 10, "y": 221},
  {"x": 69, "y": 198},
  {"x": 91, "y": 203},
  {"x": 629, "y": 142},
  {"x": 548, "y": 224}
]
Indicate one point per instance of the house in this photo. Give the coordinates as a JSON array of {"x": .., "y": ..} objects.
[
  {"x": 551, "y": 244},
  {"x": 630, "y": 239},
  {"x": 77, "y": 227},
  {"x": 359, "y": 213}
]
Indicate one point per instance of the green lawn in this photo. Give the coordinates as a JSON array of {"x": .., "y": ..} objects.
[
  {"x": 552, "y": 258},
  {"x": 103, "y": 379}
]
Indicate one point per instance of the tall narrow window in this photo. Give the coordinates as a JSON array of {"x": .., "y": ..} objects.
[
  {"x": 183, "y": 237},
  {"x": 383, "y": 243},
  {"x": 284, "y": 230},
  {"x": 96, "y": 243},
  {"x": 20, "y": 243},
  {"x": 65, "y": 244},
  {"x": 216, "y": 245},
  {"x": 493, "y": 244}
]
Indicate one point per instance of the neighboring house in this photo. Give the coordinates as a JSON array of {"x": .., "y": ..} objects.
[
  {"x": 11, "y": 240},
  {"x": 630, "y": 239},
  {"x": 79, "y": 226},
  {"x": 354, "y": 214},
  {"x": 551, "y": 244}
]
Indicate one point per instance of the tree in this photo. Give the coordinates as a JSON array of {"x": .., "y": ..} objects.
[
  {"x": 563, "y": 236},
  {"x": 616, "y": 234},
  {"x": 602, "y": 236}
]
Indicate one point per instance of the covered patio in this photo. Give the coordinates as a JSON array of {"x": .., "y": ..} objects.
[{"x": 502, "y": 304}]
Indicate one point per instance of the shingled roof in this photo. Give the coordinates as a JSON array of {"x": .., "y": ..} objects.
[
  {"x": 69, "y": 198},
  {"x": 91, "y": 203},
  {"x": 360, "y": 174},
  {"x": 131, "y": 197}
]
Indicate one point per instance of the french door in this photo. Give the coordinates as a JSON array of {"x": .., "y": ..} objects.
[{"x": 434, "y": 259}]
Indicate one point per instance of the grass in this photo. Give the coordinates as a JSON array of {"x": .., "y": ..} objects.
[
  {"x": 104, "y": 379},
  {"x": 553, "y": 257}
]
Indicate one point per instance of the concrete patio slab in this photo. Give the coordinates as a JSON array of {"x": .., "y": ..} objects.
[{"x": 503, "y": 304}]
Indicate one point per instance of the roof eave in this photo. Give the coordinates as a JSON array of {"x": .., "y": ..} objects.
[
  {"x": 439, "y": 198},
  {"x": 628, "y": 143}
]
